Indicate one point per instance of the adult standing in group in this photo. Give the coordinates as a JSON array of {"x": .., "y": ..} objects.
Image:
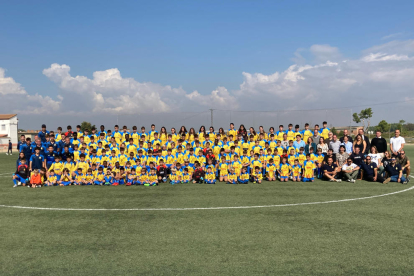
[
  {"x": 379, "y": 143},
  {"x": 21, "y": 142},
  {"x": 42, "y": 134},
  {"x": 334, "y": 144},
  {"x": 360, "y": 143},
  {"x": 346, "y": 135},
  {"x": 299, "y": 143},
  {"x": 310, "y": 144},
  {"x": 366, "y": 140},
  {"x": 316, "y": 136},
  {"x": 322, "y": 145},
  {"x": 348, "y": 145},
  {"x": 330, "y": 138},
  {"x": 403, "y": 160},
  {"x": 341, "y": 156},
  {"x": 397, "y": 143}
]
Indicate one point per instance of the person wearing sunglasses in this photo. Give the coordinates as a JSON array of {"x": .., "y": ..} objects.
[
  {"x": 369, "y": 171},
  {"x": 395, "y": 172},
  {"x": 350, "y": 170},
  {"x": 403, "y": 160}
]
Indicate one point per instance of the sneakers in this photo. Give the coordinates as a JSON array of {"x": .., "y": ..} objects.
[
  {"x": 338, "y": 180},
  {"x": 352, "y": 180},
  {"x": 387, "y": 180},
  {"x": 349, "y": 180},
  {"x": 7, "y": 153},
  {"x": 405, "y": 182},
  {"x": 332, "y": 180},
  {"x": 14, "y": 186}
]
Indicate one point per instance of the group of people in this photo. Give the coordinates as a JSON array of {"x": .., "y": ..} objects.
[{"x": 235, "y": 156}]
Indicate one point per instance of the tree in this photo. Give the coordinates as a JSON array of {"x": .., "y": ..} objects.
[
  {"x": 363, "y": 117},
  {"x": 383, "y": 126},
  {"x": 334, "y": 131},
  {"x": 400, "y": 125},
  {"x": 86, "y": 125}
]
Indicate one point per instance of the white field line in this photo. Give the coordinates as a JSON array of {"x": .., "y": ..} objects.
[{"x": 207, "y": 208}]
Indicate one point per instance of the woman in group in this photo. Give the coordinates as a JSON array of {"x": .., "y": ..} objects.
[
  {"x": 222, "y": 133},
  {"x": 190, "y": 135},
  {"x": 163, "y": 135},
  {"x": 261, "y": 131},
  {"x": 243, "y": 132},
  {"x": 174, "y": 135},
  {"x": 341, "y": 156},
  {"x": 360, "y": 143},
  {"x": 202, "y": 134},
  {"x": 271, "y": 131},
  {"x": 322, "y": 145},
  {"x": 376, "y": 158},
  {"x": 182, "y": 131},
  {"x": 310, "y": 144},
  {"x": 211, "y": 134},
  {"x": 252, "y": 132}
]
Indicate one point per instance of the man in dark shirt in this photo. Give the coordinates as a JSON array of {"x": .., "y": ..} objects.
[
  {"x": 380, "y": 143},
  {"x": 27, "y": 149},
  {"x": 331, "y": 171},
  {"x": 370, "y": 171},
  {"x": 42, "y": 134},
  {"x": 357, "y": 157},
  {"x": 395, "y": 172},
  {"x": 329, "y": 154},
  {"x": 347, "y": 135},
  {"x": 37, "y": 161},
  {"x": 21, "y": 142}
]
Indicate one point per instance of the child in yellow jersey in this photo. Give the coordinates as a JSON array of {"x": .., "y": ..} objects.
[
  {"x": 152, "y": 177},
  {"x": 257, "y": 175},
  {"x": 132, "y": 177},
  {"x": 121, "y": 176},
  {"x": 244, "y": 176},
  {"x": 66, "y": 178},
  {"x": 100, "y": 177},
  {"x": 236, "y": 165},
  {"x": 186, "y": 176},
  {"x": 223, "y": 167},
  {"x": 309, "y": 167},
  {"x": 301, "y": 156},
  {"x": 232, "y": 178},
  {"x": 78, "y": 177},
  {"x": 271, "y": 170},
  {"x": 296, "y": 171},
  {"x": 52, "y": 179},
  {"x": 292, "y": 157},
  {"x": 143, "y": 177},
  {"x": 319, "y": 161},
  {"x": 210, "y": 177},
  {"x": 174, "y": 179},
  {"x": 89, "y": 178},
  {"x": 284, "y": 170}
]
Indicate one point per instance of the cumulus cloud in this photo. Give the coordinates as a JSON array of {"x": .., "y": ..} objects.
[
  {"x": 15, "y": 99},
  {"x": 109, "y": 92},
  {"x": 323, "y": 80}
]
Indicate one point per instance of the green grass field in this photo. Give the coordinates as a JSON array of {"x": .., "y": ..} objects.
[{"x": 361, "y": 237}]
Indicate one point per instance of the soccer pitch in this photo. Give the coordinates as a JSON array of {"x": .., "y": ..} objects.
[{"x": 368, "y": 236}]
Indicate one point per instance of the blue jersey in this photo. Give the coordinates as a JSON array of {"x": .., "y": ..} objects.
[
  {"x": 37, "y": 161},
  {"x": 42, "y": 136}
]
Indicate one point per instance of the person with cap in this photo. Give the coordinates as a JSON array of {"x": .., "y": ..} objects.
[
  {"x": 42, "y": 134},
  {"x": 369, "y": 171},
  {"x": 395, "y": 172}
]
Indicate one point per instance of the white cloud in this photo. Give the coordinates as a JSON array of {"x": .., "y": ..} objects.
[
  {"x": 326, "y": 80},
  {"x": 15, "y": 99},
  {"x": 394, "y": 35}
]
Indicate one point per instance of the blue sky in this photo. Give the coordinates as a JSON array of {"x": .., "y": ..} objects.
[{"x": 196, "y": 45}]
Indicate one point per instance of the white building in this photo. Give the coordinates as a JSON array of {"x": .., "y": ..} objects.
[{"x": 8, "y": 129}]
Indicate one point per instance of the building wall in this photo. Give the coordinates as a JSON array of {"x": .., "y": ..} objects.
[{"x": 9, "y": 127}]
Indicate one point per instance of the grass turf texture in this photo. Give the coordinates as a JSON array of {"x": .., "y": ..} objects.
[{"x": 366, "y": 237}]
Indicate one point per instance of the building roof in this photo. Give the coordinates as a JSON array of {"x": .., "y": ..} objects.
[
  {"x": 3, "y": 135},
  {"x": 7, "y": 116}
]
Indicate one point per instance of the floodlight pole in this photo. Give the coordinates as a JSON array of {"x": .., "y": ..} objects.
[{"x": 211, "y": 110}]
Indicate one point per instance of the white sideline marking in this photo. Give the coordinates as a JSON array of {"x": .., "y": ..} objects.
[{"x": 207, "y": 208}]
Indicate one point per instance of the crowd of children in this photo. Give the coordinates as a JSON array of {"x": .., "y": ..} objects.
[{"x": 123, "y": 157}]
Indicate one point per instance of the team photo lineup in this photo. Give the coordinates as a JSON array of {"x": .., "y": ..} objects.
[{"x": 234, "y": 156}]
